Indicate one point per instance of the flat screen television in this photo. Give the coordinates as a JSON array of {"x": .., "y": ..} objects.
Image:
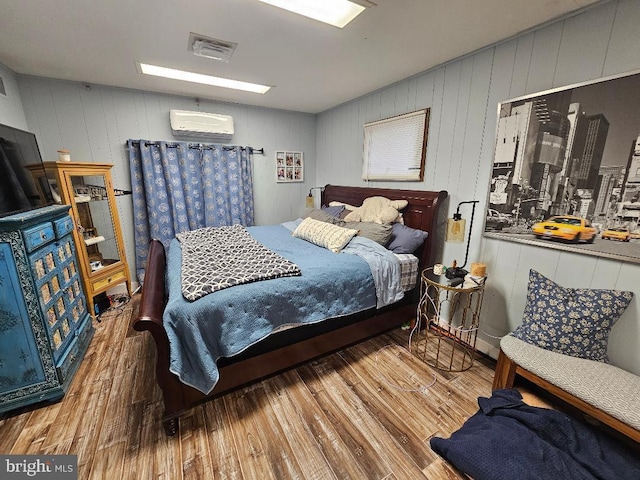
[{"x": 18, "y": 191}]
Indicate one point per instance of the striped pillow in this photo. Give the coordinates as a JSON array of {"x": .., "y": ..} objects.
[{"x": 324, "y": 234}]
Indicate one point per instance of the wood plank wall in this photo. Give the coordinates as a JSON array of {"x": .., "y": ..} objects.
[
  {"x": 463, "y": 96},
  {"x": 94, "y": 122},
  {"x": 11, "y": 111}
]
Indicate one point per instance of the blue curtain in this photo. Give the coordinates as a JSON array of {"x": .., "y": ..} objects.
[{"x": 179, "y": 186}]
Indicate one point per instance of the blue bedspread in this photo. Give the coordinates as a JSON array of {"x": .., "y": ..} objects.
[
  {"x": 226, "y": 322},
  {"x": 510, "y": 440}
]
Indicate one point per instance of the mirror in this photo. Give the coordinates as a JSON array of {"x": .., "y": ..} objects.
[{"x": 95, "y": 221}]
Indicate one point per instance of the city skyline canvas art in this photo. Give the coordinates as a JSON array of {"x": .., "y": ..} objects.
[{"x": 566, "y": 169}]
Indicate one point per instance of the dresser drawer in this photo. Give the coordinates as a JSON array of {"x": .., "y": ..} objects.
[
  {"x": 35, "y": 237},
  {"x": 85, "y": 331},
  {"x": 68, "y": 361},
  {"x": 113, "y": 279},
  {"x": 63, "y": 226}
]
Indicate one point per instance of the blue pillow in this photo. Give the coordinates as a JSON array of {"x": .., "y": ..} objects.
[
  {"x": 571, "y": 321},
  {"x": 333, "y": 211},
  {"x": 405, "y": 239}
]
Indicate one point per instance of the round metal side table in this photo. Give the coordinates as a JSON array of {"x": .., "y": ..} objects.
[{"x": 448, "y": 319}]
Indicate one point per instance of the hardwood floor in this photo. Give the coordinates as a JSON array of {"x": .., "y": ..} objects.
[{"x": 366, "y": 412}]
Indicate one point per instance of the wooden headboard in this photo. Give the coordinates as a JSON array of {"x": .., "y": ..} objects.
[{"x": 425, "y": 211}]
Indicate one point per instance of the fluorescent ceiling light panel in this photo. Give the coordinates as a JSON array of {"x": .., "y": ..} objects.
[
  {"x": 200, "y": 78},
  {"x": 334, "y": 12}
]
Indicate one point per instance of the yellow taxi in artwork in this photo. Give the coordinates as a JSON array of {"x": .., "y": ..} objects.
[
  {"x": 565, "y": 227},
  {"x": 617, "y": 233}
]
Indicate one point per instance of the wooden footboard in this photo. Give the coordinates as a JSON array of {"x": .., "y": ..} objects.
[
  {"x": 505, "y": 377},
  {"x": 149, "y": 318}
]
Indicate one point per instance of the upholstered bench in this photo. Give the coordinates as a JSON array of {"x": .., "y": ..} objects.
[
  {"x": 601, "y": 390},
  {"x": 561, "y": 346}
]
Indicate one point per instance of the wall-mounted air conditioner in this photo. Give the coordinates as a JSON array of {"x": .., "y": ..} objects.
[{"x": 212, "y": 126}]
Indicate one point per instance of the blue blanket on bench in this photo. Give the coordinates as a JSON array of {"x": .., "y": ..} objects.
[{"x": 510, "y": 440}]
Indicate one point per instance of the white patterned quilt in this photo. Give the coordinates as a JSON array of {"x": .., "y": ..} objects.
[{"x": 214, "y": 258}]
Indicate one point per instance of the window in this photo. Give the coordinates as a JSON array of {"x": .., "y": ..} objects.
[{"x": 395, "y": 148}]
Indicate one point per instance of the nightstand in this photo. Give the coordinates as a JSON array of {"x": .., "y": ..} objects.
[{"x": 448, "y": 318}]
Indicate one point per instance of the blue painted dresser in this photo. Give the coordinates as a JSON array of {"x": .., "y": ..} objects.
[{"x": 45, "y": 328}]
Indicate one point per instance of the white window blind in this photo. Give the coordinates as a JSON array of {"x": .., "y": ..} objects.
[{"x": 395, "y": 148}]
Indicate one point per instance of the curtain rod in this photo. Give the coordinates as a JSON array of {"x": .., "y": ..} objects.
[{"x": 199, "y": 146}]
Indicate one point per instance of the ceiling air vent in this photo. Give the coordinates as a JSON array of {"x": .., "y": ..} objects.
[{"x": 211, "y": 47}]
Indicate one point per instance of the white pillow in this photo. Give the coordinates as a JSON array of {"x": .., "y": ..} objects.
[
  {"x": 324, "y": 234},
  {"x": 340, "y": 204}
]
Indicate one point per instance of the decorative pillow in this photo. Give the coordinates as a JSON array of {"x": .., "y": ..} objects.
[
  {"x": 324, "y": 234},
  {"x": 572, "y": 321},
  {"x": 405, "y": 239},
  {"x": 373, "y": 231},
  {"x": 340, "y": 204},
  {"x": 378, "y": 210},
  {"x": 324, "y": 217},
  {"x": 334, "y": 211}
]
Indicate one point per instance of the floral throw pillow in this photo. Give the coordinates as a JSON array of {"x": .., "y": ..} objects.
[{"x": 572, "y": 321}]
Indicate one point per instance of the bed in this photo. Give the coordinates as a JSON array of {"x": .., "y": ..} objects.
[{"x": 288, "y": 347}]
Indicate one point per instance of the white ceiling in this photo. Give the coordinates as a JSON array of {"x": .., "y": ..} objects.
[{"x": 312, "y": 66}]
